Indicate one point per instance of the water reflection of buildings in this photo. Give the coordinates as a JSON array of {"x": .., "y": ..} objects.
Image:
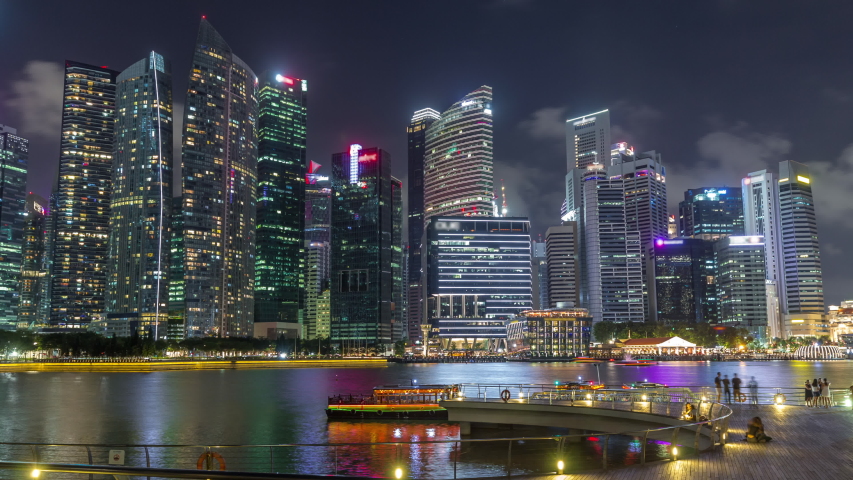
[{"x": 381, "y": 460}]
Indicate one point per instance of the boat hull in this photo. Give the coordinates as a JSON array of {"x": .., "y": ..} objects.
[{"x": 357, "y": 413}]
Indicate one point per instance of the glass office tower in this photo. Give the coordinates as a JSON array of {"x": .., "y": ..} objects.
[
  {"x": 219, "y": 188},
  {"x": 141, "y": 213},
  {"x": 711, "y": 213},
  {"x": 82, "y": 213},
  {"x": 280, "y": 251},
  {"x": 34, "y": 272},
  {"x": 362, "y": 246},
  {"x": 478, "y": 267},
  {"x": 421, "y": 121},
  {"x": 458, "y": 177},
  {"x": 14, "y": 152},
  {"x": 684, "y": 280}
]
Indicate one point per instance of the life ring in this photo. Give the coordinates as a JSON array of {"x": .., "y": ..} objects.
[
  {"x": 207, "y": 455},
  {"x": 379, "y": 412},
  {"x": 505, "y": 396},
  {"x": 432, "y": 412}
]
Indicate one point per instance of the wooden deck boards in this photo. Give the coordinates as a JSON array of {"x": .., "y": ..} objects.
[{"x": 807, "y": 443}]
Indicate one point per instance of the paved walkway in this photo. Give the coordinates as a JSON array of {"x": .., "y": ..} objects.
[{"x": 807, "y": 443}]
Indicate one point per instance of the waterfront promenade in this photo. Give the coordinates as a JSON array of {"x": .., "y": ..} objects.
[
  {"x": 165, "y": 365},
  {"x": 807, "y": 443}
]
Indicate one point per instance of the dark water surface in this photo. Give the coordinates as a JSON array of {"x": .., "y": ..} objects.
[{"x": 287, "y": 405}]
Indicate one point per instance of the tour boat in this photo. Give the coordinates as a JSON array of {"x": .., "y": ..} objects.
[
  {"x": 394, "y": 401},
  {"x": 586, "y": 360},
  {"x": 636, "y": 363},
  {"x": 589, "y": 385}
]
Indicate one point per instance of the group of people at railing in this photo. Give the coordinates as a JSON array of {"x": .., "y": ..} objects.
[{"x": 818, "y": 394}]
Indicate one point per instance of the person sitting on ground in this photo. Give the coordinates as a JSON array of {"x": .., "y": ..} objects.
[
  {"x": 755, "y": 432},
  {"x": 689, "y": 413}
]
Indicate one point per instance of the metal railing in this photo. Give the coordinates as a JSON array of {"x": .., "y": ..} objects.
[
  {"x": 458, "y": 458},
  {"x": 839, "y": 397}
]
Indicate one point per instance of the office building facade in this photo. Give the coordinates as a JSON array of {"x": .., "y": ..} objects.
[
  {"x": 553, "y": 333},
  {"x": 562, "y": 253},
  {"x": 683, "y": 281},
  {"x": 362, "y": 249},
  {"x": 177, "y": 305},
  {"x": 219, "y": 190},
  {"x": 280, "y": 249},
  {"x": 82, "y": 213},
  {"x": 14, "y": 154},
  {"x": 458, "y": 163},
  {"x": 711, "y": 213},
  {"x": 588, "y": 140},
  {"x": 141, "y": 201},
  {"x": 478, "y": 267},
  {"x": 540, "y": 275},
  {"x": 800, "y": 249},
  {"x": 399, "y": 328},
  {"x": 741, "y": 283},
  {"x": 612, "y": 253},
  {"x": 34, "y": 272},
  {"x": 421, "y": 121},
  {"x": 318, "y": 211}
]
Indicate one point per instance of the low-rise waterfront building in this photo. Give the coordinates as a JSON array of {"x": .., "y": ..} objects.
[
  {"x": 806, "y": 325},
  {"x": 550, "y": 333},
  {"x": 658, "y": 346}
]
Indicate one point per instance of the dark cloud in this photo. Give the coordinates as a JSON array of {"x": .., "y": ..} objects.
[
  {"x": 673, "y": 81},
  {"x": 35, "y": 97}
]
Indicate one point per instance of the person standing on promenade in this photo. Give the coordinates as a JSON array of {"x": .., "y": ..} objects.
[
  {"x": 816, "y": 393},
  {"x": 753, "y": 392},
  {"x": 809, "y": 396},
  {"x": 736, "y": 381},
  {"x": 726, "y": 389},
  {"x": 825, "y": 394},
  {"x": 718, "y": 384}
]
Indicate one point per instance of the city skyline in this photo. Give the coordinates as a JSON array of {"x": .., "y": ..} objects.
[{"x": 723, "y": 135}]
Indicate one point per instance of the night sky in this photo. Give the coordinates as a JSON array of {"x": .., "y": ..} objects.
[{"x": 719, "y": 88}]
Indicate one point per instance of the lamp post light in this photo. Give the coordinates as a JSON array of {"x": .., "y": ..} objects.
[{"x": 560, "y": 467}]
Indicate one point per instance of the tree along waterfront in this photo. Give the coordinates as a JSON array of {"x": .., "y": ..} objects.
[
  {"x": 22, "y": 345},
  {"x": 702, "y": 334}
]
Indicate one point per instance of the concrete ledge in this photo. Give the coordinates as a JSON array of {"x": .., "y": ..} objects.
[{"x": 602, "y": 420}]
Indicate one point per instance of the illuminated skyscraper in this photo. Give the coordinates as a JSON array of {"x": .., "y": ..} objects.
[
  {"x": 14, "y": 152},
  {"x": 588, "y": 140},
  {"x": 362, "y": 232},
  {"x": 220, "y": 171},
  {"x": 34, "y": 272},
  {"x": 177, "y": 305},
  {"x": 82, "y": 213},
  {"x": 683, "y": 282},
  {"x": 141, "y": 213},
  {"x": 398, "y": 283},
  {"x": 478, "y": 268},
  {"x": 741, "y": 282},
  {"x": 318, "y": 219},
  {"x": 421, "y": 121},
  {"x": 280, "y": 255},
  {"x": 612, "y": 251},
  {"x": 561, "y": 247},
  {"x": 800, "y": 253},
  {"x": 760, "y": 193},
  {"x": 711, "y": 213},
  {"x": 458, "y": 177}
]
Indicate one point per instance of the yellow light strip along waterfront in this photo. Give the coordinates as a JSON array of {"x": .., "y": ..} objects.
[{"x": 188, "y": 365}]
